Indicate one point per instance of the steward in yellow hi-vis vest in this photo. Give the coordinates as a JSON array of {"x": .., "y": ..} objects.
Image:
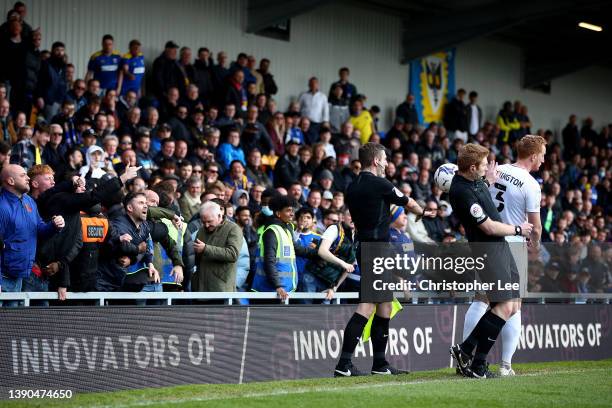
[{"x": 276, "y": 270}]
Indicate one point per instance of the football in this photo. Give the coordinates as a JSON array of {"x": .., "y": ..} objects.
[{"x": 444, "y": 176}]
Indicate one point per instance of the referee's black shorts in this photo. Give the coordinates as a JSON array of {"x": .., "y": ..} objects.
[
  {"x": 500, "y": 269},
  {"x": 368, "y": 292}
]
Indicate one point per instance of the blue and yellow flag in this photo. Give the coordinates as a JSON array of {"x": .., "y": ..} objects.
[{"x": 432, "y": 82}]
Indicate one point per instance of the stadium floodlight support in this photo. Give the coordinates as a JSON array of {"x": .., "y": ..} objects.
[{"x": 229, "y": 297}]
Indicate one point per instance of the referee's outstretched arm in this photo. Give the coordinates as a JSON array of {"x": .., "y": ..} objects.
[
  {"x": 414, "y": 208},
  {"x": 499, "y": 229}
]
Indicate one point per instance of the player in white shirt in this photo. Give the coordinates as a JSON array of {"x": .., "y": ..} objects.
[{"x": 517, "y": 195}]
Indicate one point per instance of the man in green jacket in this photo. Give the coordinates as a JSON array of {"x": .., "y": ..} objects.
[{"x": 217, "y": 246}]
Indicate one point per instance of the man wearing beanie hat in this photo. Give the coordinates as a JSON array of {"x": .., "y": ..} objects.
[{"x": 326, "y": 180}]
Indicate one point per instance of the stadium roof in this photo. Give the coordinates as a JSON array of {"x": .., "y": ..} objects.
[{"x": 547, "y": 30}]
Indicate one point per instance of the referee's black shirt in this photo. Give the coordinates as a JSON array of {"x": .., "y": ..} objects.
[
  {"x": 369, "y": 200},
  {"x": 472, "y": 203}
]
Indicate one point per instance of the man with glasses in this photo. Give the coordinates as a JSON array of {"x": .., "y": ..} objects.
[
  {"x": 255, "y": 201},
  {"x": 197, "y": 170},
  {"x": 211, "y": 175},
  {"x": 77, "y": 94},
  {"x": 331, "y": 217},
  {"x": 54, "y": 151},
  {"x": 125, "y": 143}
]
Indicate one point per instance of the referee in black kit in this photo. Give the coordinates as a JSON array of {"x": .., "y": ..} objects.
[
  {"x": 369, "y": 199},
  {"x": 472, "y": 203}
]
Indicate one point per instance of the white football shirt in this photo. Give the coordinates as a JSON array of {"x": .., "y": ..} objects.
[{"x": 515, "y": 193}]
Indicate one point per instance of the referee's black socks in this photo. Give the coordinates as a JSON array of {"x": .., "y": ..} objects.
[
  {"x": 483, "y": 337},
  {"x": 352, "y": 334},
  {"x": 380, "y": 336}
]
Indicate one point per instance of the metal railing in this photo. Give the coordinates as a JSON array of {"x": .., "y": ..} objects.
[{"x": 231, "y": 297}]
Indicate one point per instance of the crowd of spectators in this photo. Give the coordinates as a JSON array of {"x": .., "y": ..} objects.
[{"x": 166, "y": 177}]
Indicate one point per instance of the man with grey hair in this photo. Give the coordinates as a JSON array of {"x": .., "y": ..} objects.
[{"x": 216, "y": 246}]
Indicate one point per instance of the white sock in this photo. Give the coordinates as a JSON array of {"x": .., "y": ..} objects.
[
  {"x": 472, "y": 317},
  {"x": 511, "y": 333}
]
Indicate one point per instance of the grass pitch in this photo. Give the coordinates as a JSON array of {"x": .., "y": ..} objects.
[{"x": 560, "y": 384}]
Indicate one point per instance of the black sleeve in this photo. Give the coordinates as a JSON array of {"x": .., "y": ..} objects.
[
  {"x": 188, "y": 258},
  {"x": 120, "y": 248},
  {"x": 270, "y": 244},
  {"x": 305, "y": 252},
  {"x": 158, "y": 75},
  {"x": 392, "y": 195},
  {"x": 65, "y": 186},
  {"x": 282, "y": 173},
  {"x": 62, "y": 278},
  {"x": 400, "y": 111},
  {"x": 43, "y": 80},
  {"x": 271, "y": 87},
  {"x": 469, "y": 209},
  {"x": 266, "y": 141},
  {"x": 83, "y": 201},
  {"x": 69, "y": 202}
]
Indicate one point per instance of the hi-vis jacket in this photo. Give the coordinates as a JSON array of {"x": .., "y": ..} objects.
[{"x": 276, "y": 264}]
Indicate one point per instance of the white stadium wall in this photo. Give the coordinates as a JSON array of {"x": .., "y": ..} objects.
[
  {"x": 493, "y": 70},
  {"x": 321, "y": 41}
]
